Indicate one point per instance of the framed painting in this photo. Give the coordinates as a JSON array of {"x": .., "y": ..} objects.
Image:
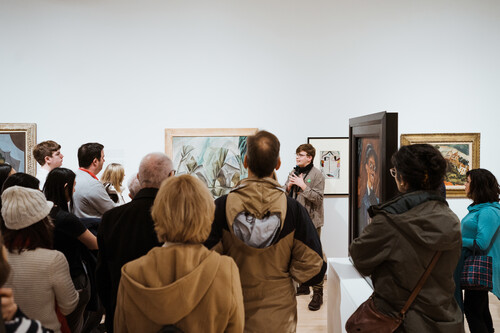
[
  {"x": 332, "y": 159},
  {"x": 214, "y": 155},
  {"x": 372, "y": 140},
  {"x": 17, "y": 141},
  {"x": 461, "y": 151}
]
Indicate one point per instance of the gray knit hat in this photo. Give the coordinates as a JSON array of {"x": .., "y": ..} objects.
[{"x": 22, "y": 207}]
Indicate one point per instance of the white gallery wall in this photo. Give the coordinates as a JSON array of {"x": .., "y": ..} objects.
[{"x": 120, "y": 71}]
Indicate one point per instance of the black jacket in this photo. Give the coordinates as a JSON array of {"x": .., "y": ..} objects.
[{"x": 125, "y": 234}]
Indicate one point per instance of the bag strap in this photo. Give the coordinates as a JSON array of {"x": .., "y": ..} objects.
[{"x": 420, "y": 283}]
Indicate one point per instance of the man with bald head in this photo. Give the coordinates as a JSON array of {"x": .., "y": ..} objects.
[
  {"x": 127, "y": 232},
  {"x": 271, "y": 238}
]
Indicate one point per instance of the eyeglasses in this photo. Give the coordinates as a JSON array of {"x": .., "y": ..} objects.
[
  {"x": 393, "y": 172},
  {"x": 300, "y": 155}
]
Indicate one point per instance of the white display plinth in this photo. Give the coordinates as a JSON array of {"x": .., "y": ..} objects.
[{"x": 347, "y": 289}]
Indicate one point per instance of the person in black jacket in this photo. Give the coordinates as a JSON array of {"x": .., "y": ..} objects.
[{"x": 127, "y": 232}]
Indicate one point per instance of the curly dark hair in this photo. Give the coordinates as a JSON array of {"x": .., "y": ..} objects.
[
  {"x": 421, "y": 166},
  {"x": 483, "y": 186}
]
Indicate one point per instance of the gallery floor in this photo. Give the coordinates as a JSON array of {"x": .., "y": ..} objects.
[{"x": 315, "y": 321}]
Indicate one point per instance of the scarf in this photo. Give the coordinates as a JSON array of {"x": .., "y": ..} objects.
[{"x": 294, "y": 191}]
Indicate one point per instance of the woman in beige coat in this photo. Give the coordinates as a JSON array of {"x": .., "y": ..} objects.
[{"x": 182, "y": 283}]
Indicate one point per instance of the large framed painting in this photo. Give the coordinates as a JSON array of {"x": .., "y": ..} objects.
[
  {"x": 461, "y": 150},
  {"x": 17, "y": 141},
  {"x": 332, "y": 158},
  {"x": 214, "y": 155},
  {"x": 372, "y": 140}
]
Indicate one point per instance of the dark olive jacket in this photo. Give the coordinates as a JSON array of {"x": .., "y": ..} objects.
[{"x": 395, "y": 250}]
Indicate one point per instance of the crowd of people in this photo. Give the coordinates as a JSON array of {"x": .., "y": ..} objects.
[{"x": 174, "y": 260}]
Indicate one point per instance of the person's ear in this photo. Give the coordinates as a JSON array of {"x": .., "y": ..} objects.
[
  {"x": 171, "y": 173},
  {"x": 66, "y": 185},
  {"x": 245, "y": 162},
  {"x": 47, "y": 159},
  {"x": 278, "y": 164}
]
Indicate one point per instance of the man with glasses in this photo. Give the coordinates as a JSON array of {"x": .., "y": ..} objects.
[{"x": 306, "y": 184}]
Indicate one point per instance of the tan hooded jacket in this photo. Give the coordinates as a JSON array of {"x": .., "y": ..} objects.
[
  {"x": 267, "y": 273},
  {"x": 187, "y": 285}
]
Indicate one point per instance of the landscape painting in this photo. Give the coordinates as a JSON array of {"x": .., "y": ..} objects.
[
  {"x": 214, "y": 156},
  {"x": 461, "y": 151}
]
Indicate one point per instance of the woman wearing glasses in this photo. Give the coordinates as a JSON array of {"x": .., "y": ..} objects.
[{"x": 405, "y": 233}]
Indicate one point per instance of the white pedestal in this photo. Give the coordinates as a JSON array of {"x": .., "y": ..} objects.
[{"x": 347, "y": 289}]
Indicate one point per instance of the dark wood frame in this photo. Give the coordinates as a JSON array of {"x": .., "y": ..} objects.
[{"x": 381, "y": 125}]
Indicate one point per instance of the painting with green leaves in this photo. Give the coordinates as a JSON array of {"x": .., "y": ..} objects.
[{"x": 217, "y": 160}]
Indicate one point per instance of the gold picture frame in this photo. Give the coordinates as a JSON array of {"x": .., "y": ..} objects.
[
  {"x": 17, "y": 141},
  {"x": 461, "y": 150},
  {"x": 214, "y": 155}
]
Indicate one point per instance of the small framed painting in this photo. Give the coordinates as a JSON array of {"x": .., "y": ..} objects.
[
  {"x": 461, "y": 151},
  {"x": 332, "y": 159},
  {"x": 17, "y": 141}
]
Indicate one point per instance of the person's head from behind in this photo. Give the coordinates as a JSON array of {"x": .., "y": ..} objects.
[
  {"x": 5, "y": 171},
  {"x": 25, "y": 224},
  {"x": 183, "y": 210},
  {"x": 133, "y": 186},
  {"x": 418, "y": 167},
  {"x": 304, "y": 154},
  {"x": 59, "y": 187},
  {"x": 263, "y": 154},
  {"x": 114, "y": 174},
  {"x": 154, "y": 169},
  {"x": 21, "y": 179},
  {"x": 91, "y": 157},
  {"x": 371, "y": 163},
  {"x": 48, "y": 153},
  {"x": 481, "y": 186}
]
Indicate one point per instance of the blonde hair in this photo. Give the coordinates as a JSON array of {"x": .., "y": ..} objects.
[
  {"x": 114, "y": 174},
  {"x": 183, "y": 210}
]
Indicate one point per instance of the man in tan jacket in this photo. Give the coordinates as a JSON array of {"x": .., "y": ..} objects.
[{"x": 271, "y": 238}]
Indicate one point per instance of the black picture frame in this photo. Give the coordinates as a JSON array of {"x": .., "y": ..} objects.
[
  {"x": 373, "y": 139},
  {"x": 336, "y": 184}
]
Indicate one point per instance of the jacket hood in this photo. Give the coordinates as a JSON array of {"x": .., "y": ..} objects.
[
  {"x": 424, "y": 217},
  {"x": 494, "y": 205},
  {"x": 158, "y": 281},
  {"x": 257, "y": 196}
]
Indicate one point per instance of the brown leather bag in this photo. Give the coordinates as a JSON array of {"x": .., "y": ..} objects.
[{"x": 367, "y": 318}]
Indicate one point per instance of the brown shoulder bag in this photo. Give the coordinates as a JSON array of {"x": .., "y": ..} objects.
[{"x": 368, "y": 319}]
